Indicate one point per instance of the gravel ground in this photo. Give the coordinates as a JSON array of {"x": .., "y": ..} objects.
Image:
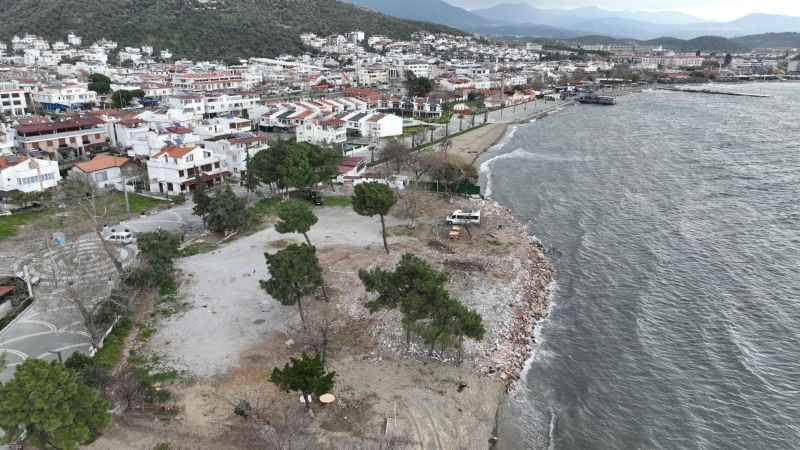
[{"x": 228, "y": 311}]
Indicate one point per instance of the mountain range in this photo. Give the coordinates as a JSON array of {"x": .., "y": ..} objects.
[
  {"x": 201, "y": 29},
  {"x": 522, "y": 19}
]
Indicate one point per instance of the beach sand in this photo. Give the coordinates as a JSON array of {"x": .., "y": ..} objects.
[{"x": 469, "y": 146}]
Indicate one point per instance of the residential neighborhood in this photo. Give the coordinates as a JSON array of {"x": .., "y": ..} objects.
[{"x": 298, "y": 250}]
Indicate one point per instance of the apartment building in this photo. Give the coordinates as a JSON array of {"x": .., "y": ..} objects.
[
  {"x": 236, "y": 149},
  {"x": 207, "y": 81},
  {"x": 64, "y": 98},
  {"x": 176, "y": 169},
  {"x": 12, "y": 102},
  {"x": 53, "y": 137}
]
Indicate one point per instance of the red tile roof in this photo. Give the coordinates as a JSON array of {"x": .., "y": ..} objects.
[
  {"x": 5, "y": 162},
  {"x": 58, "y": 126},
  {"x": 175, "y": 151},
  {"x": 102, "y": 162}
]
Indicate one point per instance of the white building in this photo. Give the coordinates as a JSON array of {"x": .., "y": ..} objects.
[
  {"x": 67, "y": 97},
  {"x": 236, "y": 149},
  {"x": 20, "y": 173},
  {"x": 176, "y": 170},
  {"x": 12, "y": 102},
  {"x": 327, "y": 133},
  {"x": 104, "y": 171},
  {"x": 380, "y": 125}
]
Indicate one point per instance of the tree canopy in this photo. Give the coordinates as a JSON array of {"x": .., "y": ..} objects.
[
  {"x": 296, "y": 165},
  {"x": 371, "y": 199},
  {"x": 305, "y": 375},
  {"x": 123, "y": 98},
  {"x": 47, "y": 401},
  {"x": 294, "y": 274},
  {"x": 295, "y": 216},
  {"x": 419, "y": 293},
  {"x": 418, "y": 86},
  {"x": 227, "y": 212},
  {"x": 99, "y": 83},
  {"x": 157, "y": 251}
]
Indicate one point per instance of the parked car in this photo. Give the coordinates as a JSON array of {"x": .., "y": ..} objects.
[
  {"x": 459, "y": 217},
  {"x": 123, "y": 236},
  {"x": 315, "y": 197}
]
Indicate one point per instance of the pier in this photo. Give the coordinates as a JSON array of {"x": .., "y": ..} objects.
[{"x": 713, "y": 92}]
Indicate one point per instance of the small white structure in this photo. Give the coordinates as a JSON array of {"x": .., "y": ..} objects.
[
  {"x": 104, "y": 170},
  {"x": 20, "y": 173},
  {"x": 382, "y": 126}
]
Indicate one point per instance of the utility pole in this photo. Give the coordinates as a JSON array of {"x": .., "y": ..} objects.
[{"x": 125, "y": 193}]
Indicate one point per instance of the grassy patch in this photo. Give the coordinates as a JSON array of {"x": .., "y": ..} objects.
[
  {"x": 197, "y": 248},
  {"x": 266, "y": 207},
  {"x": 497, "y": 243},
  {"x": 108, "y": 356},
  {"x": 338, "y": 201},
  {"x": 9, "y": 225},
  {"x": 401, "y": 230},
  {"x": 139, "y": 203},
  {"x": 409, "y": 131}
]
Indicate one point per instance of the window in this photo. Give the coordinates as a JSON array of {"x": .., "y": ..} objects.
[
  {"x": 101, "y": 176},
  {"x": 206, "y": 154},
  {"x": 180, "y": 173},
  {"x": 189, "y": 158},
  {"x": 216, "y": 165}
]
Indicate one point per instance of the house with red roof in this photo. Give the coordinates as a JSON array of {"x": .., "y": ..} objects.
[
  {"x": 177, "y": 169},
  {"x": 105, "y": 170}
]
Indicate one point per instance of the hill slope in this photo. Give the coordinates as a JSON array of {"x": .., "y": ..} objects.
[
  {"x": 770, "y": 40},
  {"x": 223, "y": 29},
  {"x": 436, "y": 11}
]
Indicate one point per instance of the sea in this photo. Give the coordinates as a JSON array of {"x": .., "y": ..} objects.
[{"x": 673, "y": 221}]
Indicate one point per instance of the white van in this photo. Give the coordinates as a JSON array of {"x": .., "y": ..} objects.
[
  {"x": 122, "y": 236},
  {"x": 460, "y": 217}
]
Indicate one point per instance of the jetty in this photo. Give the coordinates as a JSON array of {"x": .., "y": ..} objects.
[
  {"x": 713, "y": 92},
  {"x": 597, "y": 99}
]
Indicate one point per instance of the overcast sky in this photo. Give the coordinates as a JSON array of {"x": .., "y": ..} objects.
[{"x": 708, "y": 9}]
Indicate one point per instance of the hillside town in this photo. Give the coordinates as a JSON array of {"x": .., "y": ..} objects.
[
  {"x": 348, "y": 92},
  {"x": 147, "y": 200}
]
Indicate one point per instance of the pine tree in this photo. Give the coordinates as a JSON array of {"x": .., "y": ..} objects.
[
  {"x": 295, "y": 273},
  {"x": 370, "y": 199},
  {"x": 305, "y": 375},
  {"x": 49, "y": 403}
]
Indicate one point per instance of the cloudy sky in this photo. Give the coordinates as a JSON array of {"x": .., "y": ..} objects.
[{"x": 708, "y": 9}]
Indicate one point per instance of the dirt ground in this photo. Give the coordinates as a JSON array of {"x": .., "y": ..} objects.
[{"x": 234, "y": 334}]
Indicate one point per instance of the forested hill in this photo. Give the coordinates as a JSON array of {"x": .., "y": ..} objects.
[{"x": 209, "y": 29}]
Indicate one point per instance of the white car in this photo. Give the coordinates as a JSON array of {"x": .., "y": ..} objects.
[
  {"x": 122, "y": 236},
  {"x": 460, "y": 217}
]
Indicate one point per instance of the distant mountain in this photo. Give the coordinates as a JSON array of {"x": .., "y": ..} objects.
[
  {"x": 222, "y": 29},
  {"x": 635, "y": 24},
  {"x": 526, "y": 30},
  {"x": 704, "y": 43},
  {"x": 770, "y": 40},
  {"x": 436, "y": 11},
  {"x": 569, "y": 18}
]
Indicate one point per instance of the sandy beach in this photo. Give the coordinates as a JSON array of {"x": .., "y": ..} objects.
[{"x": 470, "y": 145}]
